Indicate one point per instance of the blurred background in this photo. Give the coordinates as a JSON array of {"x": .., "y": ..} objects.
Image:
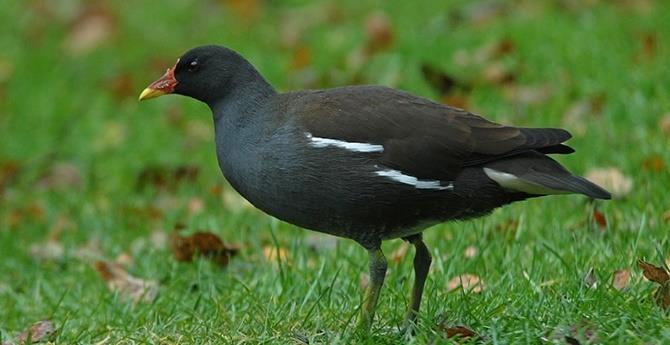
[{"x": 88, "y": 174}]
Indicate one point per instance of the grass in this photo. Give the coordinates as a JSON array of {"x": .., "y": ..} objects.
[{"x": 58, "y": 106}]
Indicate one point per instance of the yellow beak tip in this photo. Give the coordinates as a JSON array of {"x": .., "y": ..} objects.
[{"x": 149, "y": 93}]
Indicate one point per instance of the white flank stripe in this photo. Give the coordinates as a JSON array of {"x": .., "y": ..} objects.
[
  {"x": 398, "y": 176},
  {"x": 356, "y": 147}
]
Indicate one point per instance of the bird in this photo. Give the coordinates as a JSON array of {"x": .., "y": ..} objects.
[{"x": 367, "y": 163}]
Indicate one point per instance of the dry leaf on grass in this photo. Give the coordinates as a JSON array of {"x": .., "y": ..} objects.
[
  {"x": 468, "y": 282},
  {"x": 379, "y": 32},
  {"x": 658, "y": 275},
  {"x": 119, "y": 280},
  {"x": 204, "y": 244},
  {"x": 599, "y": 219},
  {"x": 612, "y": 179},
  {"x": 162, "y": 177},
  {"x": 9, "y": 170},
  {"x": 620, "y": 279},
  {"x": 470, "y": 252},
  {"x": 664, "y": 124},
  {"x": 654, "y": 273},
  {"x": 38, "y": 332},
  {"x": 457, "y": 331}
]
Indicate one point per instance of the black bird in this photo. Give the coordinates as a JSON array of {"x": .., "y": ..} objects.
[{"x": 369, "y": 163}]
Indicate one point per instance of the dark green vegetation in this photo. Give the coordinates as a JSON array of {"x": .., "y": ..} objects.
[{"x": 83, "y": 163}]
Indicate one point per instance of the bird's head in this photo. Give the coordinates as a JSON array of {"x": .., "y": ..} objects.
[{"x": 206, "y": 73}]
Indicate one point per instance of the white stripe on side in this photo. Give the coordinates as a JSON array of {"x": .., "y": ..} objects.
[
  {"x": 355, "y": 147},
  {"x": 398, "y": 176}
]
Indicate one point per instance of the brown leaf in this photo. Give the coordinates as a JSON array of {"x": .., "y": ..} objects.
[
  {"x": 38, "y": 332},
  {"x": 666, "y": 216},
  {"x": 653, "y": 163},
  {"x": 458, "y": 331},
  {"x": 468, "y": 282},
  {"x": 92, "y": 27},
  {"x": 664, "y": 124},
  {"x": 470, "y": 252},
  {"x": 620, "y": 279},
  {"x": 302, "y": 57},
  {"x": 577, "y": 116},
  {"x": 612, "y": 179},
  {"x": 662, "y": 297},
  {"x": 599, "y": 219},
  {"x": 119, "y": 280},
  {"x": 195, "y": 205},
  {"x": 162, "y": 177},
  {"x": 497, "y": 73},
  {"x": 654, "y": 273},
  {"x": 456, "y": 99},
  {"x": 9, "y": 170},
  {"x": 590, "y": 278},
  {"x": 379, "y": 32},
  {"x": 202, "y": 243}
]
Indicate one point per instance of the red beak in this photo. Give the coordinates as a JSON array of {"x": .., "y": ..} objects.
[{"x": 162, "y": 86}]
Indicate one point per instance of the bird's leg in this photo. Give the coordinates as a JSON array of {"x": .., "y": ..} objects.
[
  {"x": 422, "y": 262},
  {"x": 378, "y": 266}
]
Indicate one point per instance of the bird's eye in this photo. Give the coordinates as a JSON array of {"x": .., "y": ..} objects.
[{"x": 193, "y": 65}]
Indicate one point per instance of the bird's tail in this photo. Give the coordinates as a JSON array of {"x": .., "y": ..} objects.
[{"x": 535, "y": 173}]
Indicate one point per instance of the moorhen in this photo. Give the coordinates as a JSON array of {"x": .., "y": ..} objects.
[{"x": 368, "y": 163}]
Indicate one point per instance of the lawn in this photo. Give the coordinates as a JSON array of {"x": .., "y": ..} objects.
[{"x": 89, "y": 174}]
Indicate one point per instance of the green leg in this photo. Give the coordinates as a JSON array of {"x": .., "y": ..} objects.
[
  {"x": 377, "y": 273},
  {"x": 422, "y": 262}
]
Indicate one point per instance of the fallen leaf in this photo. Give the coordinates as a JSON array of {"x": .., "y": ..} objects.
[
  {"x": 666, "y": 216},
  {"x": 302, "y": 57},
  {"x": 654, "y": 273},
  {"x": 163, "y": 177},
  {"x": 126, "y": 285},
  {"x": 379, "y": 32},
  {"x": 202, "y": 243},
  {"x": 9, "y": 170},
  {"x": 664, "y": 124},
  {"x": 274, "y": 254},
  {"x": 457, "y": 99},
  {"x": 61, "y": 175},
  {"x": 458, "y": 331},
  {"x": 124, "y": 259},
  {"x": 470, "y": 252},
  {"x": 195, "y": 205},
  {"x": 653, "y": 163},
  {"x": 497, "y": 73},
  {"x": 662, "y": 297},
  {"x": 400, "y": 253},
  {"x": 38, "y": 332},
  {"x": 612, "y": 179},
  {"x": 590, "y": 278},
  {"x": 481, "y": 13},
  {"x": 600, "y": 219},
  {"x": 92, "y": 27},
  {"x": 620, "y": 279},
  {"x": 468, "y": 282}
]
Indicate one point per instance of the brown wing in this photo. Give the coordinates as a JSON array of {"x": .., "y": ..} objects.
[{"x": 425, "y": 139}]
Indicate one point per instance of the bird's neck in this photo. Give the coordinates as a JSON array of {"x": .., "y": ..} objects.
[{"x": 246, "y": 95}]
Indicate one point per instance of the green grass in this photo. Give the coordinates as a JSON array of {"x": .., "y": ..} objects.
[{"x": 56, "y": 107}]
